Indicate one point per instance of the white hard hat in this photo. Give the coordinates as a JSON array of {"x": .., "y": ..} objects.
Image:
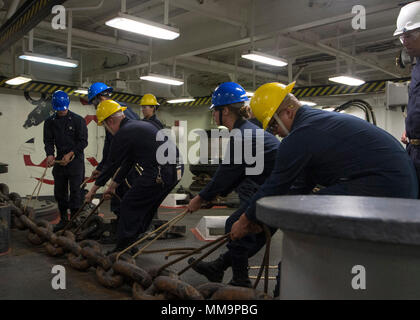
[{"x": 409, "y": 18}]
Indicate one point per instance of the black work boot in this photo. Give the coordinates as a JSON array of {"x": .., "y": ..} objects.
[
  {"x": 117, "y": 248},
  {"x": 72, "y": 213},
  {"x": 123, "y": 244},
  {"x": 112, "y": 238},
  {"x": 63, "y": 221},
  {"x": 213, "y": 270},
  {"x": 240, "y": 276},
  {"x": 241, "y": 280}
]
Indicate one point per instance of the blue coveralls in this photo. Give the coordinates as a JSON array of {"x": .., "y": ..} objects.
[
  {"x": 412, "y": 122},
  {"x": 346, "y": 155},
  {"x": 156, "y": 121},
  {"x": 256, "y": 122},
  {"x": 227, "y": 178},
  {"x": 115, "y": 203},
  {"x": 68, "y": 133},
  {"x": 135, "y": 142},
  {"x": 248, "y": 187}
]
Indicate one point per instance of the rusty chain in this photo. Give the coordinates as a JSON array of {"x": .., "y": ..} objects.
[{"x": 116, "y": 269}]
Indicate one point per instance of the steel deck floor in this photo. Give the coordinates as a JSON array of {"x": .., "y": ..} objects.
[{"x": 25, "y": 273}]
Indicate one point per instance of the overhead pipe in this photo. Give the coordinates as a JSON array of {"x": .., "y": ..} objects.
[
  {"x": 69, "y": 31},
  {"x": 81, "y": 70},
  {"x": 144, "y": 6},
  {"x": 290, "y": 71},
  {"x": 254, "y": 82},
  {"x": 191, "y": 6},
  {"x": 302, "y": 27},
  {"x": 100, "y": 38},
  {"x": 173, "y": 89},
  {"x": 150, "y": 54},
  {"x": 318, "y": 46},
  {"x": 23, "y": 50},
  {"x": 283, "y": 33},
  {"x": 298, "y": 73},
  {"x": 174, "y": 68},
  {"x": 213, "y": 66},
  {"x": 31, "y": 41},
  {"x": 227, "y": 67},
  {"x": 31, "y": 49},
  {"x": 98, "y": 6},
  {"x": 61, "y": 43},
  {"x": 166, "y": 12},
  {"x": 12, "y": 8},
  {"x": 184, "y": 86},
  {"x": 337, "y": 58},
  {"x": 236, "y": 66}
]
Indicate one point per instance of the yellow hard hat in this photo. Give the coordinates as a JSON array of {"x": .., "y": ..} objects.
[
  {"x": 267, "y": 99},
  {"x": 107, "y": 108},
  {"x": 149, "y": 100}
]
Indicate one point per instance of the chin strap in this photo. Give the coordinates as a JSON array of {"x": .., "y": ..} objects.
[
  {"x": 220, "y": 117},
  {"x": 280, "y": 123}
]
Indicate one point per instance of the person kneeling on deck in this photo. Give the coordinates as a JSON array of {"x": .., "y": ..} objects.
[
  {"x": 344, "y": 154},
  {"x": 135, "y": 145},
  {"x": 229, "y": 109}
]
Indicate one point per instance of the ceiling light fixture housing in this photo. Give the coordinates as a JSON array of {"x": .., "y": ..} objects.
[
  {"x": 181, "y": 100},
  {"x": 308, "y": 103},
  {"x": 16, "y": 81},
  {"x": 35, "y": 57},
  {"x": 162, "y": 79},
  {"x": 81, "y": 91},
  {"x": 142, "y": 26},
  {"x": 265, "y": 58},
  {"x": 347, "y": 80}
]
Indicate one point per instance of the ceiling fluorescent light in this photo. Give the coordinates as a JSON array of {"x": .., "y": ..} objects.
[
  {"x": 141, "y": 26},
  {"x": 181, "y": 100},
  {"x": 308, "y": 103},
  {"x": 265, "y": 58},
  {"x": 49, "y": 60},
  {"x": 162, "y": 79},
  {"x": 350, "y": 81},
  {"x": 81, "y": 91},
  {"x": 18, "y": 80}
]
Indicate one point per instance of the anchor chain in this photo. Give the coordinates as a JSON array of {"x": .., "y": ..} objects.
[{"x": 119, "y": 268}]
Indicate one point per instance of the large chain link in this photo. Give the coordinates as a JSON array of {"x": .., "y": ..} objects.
[
  {"x": 41, "y": 233},
  {"x": 112, "y": 272}
]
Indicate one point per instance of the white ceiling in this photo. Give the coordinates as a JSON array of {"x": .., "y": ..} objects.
[{"x": 311, "y": 34}]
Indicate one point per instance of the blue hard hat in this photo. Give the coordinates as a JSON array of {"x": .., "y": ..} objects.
[
  {"x": 228, "y": 93},
  {"x": 60, "y": 101},
  {"x": 96, "y": 89}
]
